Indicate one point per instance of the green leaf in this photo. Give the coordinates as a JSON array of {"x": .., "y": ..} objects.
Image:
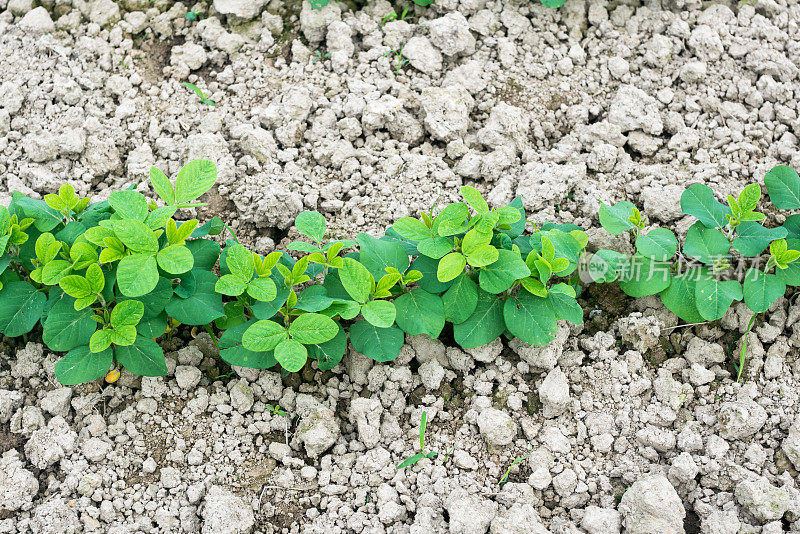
[
  {"x": 356, "y": 280},
  {"x": 783, "y": 186},
  {"x": 143, "y": 358},
  {"x": 564, "y": 244},
  {"x": 240, "y": 262},
  {"x": 659, "y": 244},
  {"x": 420, "y": 312},
  {"x": 266, "y": 310},
  {"x": 162, "y": 186},
  {"x": 460, "y": 300},
  {"x": 644, "y": 276},
  {"x": 129, "y": 205},
  {"x": 752, "y": 238},
  {"x": 127, "y": 313},
  {"x": 123, "y": 336},
  {"x": 553, "y": 3},
  {"x": 158, "y": 217},
  {"x": 291, "y": 354},
  {"x": 194, "y": 179},
  {"x": 484, "y": 325},
  {"x": 54, "y": 271},
  {"x": 331, "y": 352},
  {"x": 96, "y": 278},
  {"x": 230, "y": 285},
  {"x": 412, "y": 228},
  {"x": 313, "y": 299},
  {"x": 680, "y": 299},
  {"x": 605, "y": 265},
  {"x": 136, "y": 235},
  {"x": 501, "y": 275},
  {"x": 45, "y": 218},
  {"x": 762, "y": 290},
  {"x": 81, "y": 365},
  {"x": 263, "y": 335},
  {"x": 615, "y": 218},
  {"x": 137, "y": 275},
  {"x": 749, "y": 197},
  {"x": 66, "y": 328},
  {"x": 429, "y": 281},
  {"x": 21, "y": 306},
  {"x": 530, "y": 318},
  {"x": 311, "y": 224},
  {"x": 474, "y": 199},
  {"x": 202, "y": 307},
  {"x": 707, "y": 245},
  {"x": 450, "y": 267},
  {"x": 76, "y": 286},
  {"x": 792, "y": 226},
  {"x": 380, "y": 313},
  {"x": 153, "y": 327},
  {"x": 435, "y": 247},
  {"x": 452, "y": 219},
  {"x": 518, "y": 227},
  {"x": 262, "y": 289},
  {"x": 155, "y": 301},
  {"x": 419, "y": 456},
  {"x": 698, "y": 200},
  {"x": 713, "y": 297},
  {"x": 565, "y": 306},
  {"x": 100, "y": 341},
  {"x": 380, "y": 344},
  {"x": 234, "y": 353},
  {"x": 302, "y": 246},
  {"x": 313, "y": 328},
  {"x": 205, "y": 253},
  {"x": 483, "y": 255},
  {"x": 378, "y": 254},
  {"x": 175, "y": 259},
  {"x": 234, "y": 316}
]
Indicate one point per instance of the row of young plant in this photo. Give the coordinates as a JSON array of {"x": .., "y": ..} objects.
[
  {"x": 701, "y": 282},
  {"x": 106, "y": 280}
]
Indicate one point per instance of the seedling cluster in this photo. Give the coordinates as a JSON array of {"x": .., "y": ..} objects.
[
  {"x": 700, "y": 283},
  {"x": 106, "y": 280}
]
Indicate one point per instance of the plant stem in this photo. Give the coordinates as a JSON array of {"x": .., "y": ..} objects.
[{"x": 744, "y": 348}]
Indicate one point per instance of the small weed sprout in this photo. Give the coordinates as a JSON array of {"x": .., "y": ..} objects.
[
  {"x": 319, "y": 56},
  {"x": 394, "y": 16},
  {"x": 423, "y": 424},
  {"x": 193, "y": 15},
  {"x": 203, "y": 97},
  {"x": 276, "y": 410},
  {"x": 504, "y": 478},
  {"x": 398, "y": 54}
]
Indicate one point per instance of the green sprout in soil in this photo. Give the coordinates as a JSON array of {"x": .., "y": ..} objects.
[
  {"x": 203, "y": 98},
  {"x": 504, "y": 478},
  {"x": 319, "y": 56},
  {"x": 398, "y": 54},
  {"x": 394, "y": 16},
  {"x": 423, "y": 424}
]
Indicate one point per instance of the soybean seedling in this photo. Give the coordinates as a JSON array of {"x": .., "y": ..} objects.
[
  {"x": 423, "y": 424},
  {"x": 203, "y": 98},
  {"x": 504, "y": 478},
  {"x": 319, "y": 56},
  {"x": 398, "y": 54}
]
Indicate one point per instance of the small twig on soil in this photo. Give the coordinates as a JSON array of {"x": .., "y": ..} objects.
[{"x": 685, "y": 325}]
